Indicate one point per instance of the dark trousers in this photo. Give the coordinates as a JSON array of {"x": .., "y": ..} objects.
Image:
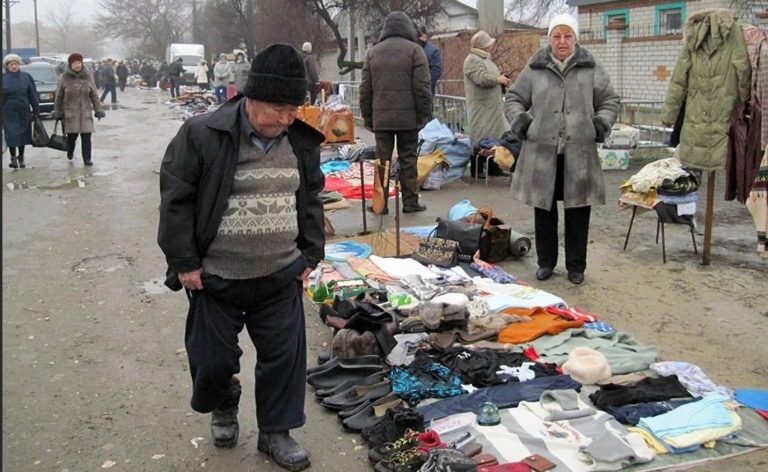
[
  {"x": 407, "y": 155},
  {"x": 122, "y": 83},
  {"x": 576, "y": 230},
  {"x": 175, "y": 86},
  {"x": 85, "y": 145},
  {"x": 273, "y": 314},
  {"x": 109, "y": 88},
  {"x": 221, "y": 93},
  {"x": 13, "y": 150}
]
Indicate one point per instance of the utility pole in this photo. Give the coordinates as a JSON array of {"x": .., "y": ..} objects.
[
  {"x": 194, "y": 21},
  {"x": 37, "y": 31},
  {"x": 7, "y": 25}
]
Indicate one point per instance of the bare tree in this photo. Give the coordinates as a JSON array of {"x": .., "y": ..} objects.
[
  {"x": 153, "y": 23},
  {"x": 62, "y": 19},
  {"x": 372, "y": 12},
  {"x": 534, "y": 12}
]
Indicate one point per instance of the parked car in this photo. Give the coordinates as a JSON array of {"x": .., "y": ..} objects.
[{"x": 46, "y": 80}]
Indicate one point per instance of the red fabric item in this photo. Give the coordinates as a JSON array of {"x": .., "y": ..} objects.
[
  {"x": 573, "y": 313},
  {"x": 508, "y": 467},
  {"x": 336, "y": 184},
  {"x": 762, "y": 413},
  {"x": 531, "y": 354},
  {"x": 349, "y": 191},
  {"x": 429, "y": 440}
]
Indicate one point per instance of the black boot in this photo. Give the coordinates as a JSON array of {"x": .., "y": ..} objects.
[
  {"x": 14, "y": 163},
  {"x": 21, "y": 162},
  {"x": 224, "y": 426},
  {"x": 285, "y": 451},
  {"x": 87, "y": 162}
]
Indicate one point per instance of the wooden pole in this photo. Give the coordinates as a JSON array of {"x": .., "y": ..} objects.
[{"x": 708, "y": 216}]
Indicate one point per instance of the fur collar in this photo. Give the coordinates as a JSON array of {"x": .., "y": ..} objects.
[
  {"x": 710, "y": 27},
  {"x": 581, "y": 58}
]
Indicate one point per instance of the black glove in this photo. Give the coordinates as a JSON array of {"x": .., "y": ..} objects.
[
  {"x": 602, "y": 130},
  {"x": 99, "y": 114},
  {"x": 521, "y": 124}
]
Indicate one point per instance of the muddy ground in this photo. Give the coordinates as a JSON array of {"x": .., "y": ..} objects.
[{"x": 94, "y": 370}]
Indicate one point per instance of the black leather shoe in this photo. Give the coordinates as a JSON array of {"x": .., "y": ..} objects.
[
  {"x": 224, "y": 427},
  {"x": 285, "y": 451},
  {"x": 544, "y": 273},
  {"x": 576, "y": 277},
  {"x": 414, "y": 209},
  {"x": 383, "y": 212},
  {"x": 88, "y": 163}
]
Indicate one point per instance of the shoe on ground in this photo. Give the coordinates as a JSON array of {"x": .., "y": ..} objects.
[
  {"x": 284, "y": 450},
  {"x": 386, "y": 451},
  {"x": 385, "y": 211},
  {"x": 544, "y": 273},
  {"x": 576, "y": 277},
  {"x": 70, "y": 156},
  {"x": 414, "y": 209},
  {"x": 88, "y": 163}
]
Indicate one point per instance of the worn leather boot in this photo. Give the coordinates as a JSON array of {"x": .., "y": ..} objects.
[
  {"x": 14, "y": 163},
  {"x": 21, "y": 162},
  {"x": 285, "y": 451},
  {"x": 224, "y": 426}
]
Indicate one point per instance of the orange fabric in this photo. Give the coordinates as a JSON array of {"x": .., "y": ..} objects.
[{"x": 541, "y": 323}]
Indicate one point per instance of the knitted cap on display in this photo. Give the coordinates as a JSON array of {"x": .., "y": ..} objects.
[
  {"x": 481, "y": 40},
  {"x": 306, "y": 47},
  {"x": 277, "y": 75},
  {"x": 587, "y": 366},
  {"x": 74, "y": 57},
  {"x": 564, "y": 20},
  {"x": 11, "y": 58}
]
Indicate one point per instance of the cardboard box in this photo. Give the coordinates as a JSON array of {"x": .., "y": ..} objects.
[
  {"x": 613, "y": 159},
  {"x": 337, "y": 126},
  {"x": 622, "y": 137},
  {"x": 310, "y": 115}
]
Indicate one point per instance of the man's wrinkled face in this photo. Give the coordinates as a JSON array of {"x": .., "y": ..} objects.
[
  {"x": 270, "y": 119},
  {"x": 13, "y": 66},
  {"x": 563, "y": 42}
]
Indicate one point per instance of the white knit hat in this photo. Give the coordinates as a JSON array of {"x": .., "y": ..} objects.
[
  {"x": 564, "y": 20},
  {"x": 587, "y": 366},
  {"x": 12, "y": 58},
  {"x": 306, "y": 47}
]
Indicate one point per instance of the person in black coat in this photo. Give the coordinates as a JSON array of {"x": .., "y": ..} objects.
[
  {"x": 122, "y": 75},
  {"x": 20, "y": 104}
]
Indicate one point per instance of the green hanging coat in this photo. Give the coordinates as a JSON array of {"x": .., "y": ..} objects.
[{"x": 712, "y": 75}]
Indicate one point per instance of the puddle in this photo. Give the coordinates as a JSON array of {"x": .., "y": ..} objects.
[
  {"x": 108, "y": 263},
  {"x": 67, "y": 185},
  {"x": 154, "y": 287},
  {"x": 18, "y": 186}
]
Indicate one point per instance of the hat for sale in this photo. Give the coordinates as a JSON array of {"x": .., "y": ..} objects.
[
  {"x": 564, "y": 20},
  {"x": 587, "y": 366},
  {"x": 277, "y": 75},
  {"x": 351, "y": 343},
  {"x": 74, "y": 57}
]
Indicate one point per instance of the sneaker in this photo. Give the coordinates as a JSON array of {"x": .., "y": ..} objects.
[
  {"x": 393, "y": 425},
  {"x": 386, "y": 451},
  {"x": 409, "y": 460}
]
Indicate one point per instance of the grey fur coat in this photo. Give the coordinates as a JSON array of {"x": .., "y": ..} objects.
[{"x": 568, "y": 111}]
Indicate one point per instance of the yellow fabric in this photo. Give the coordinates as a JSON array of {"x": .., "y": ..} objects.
[
  {"x": 427, "y": 163},
  {"x": 650, "y": 440},
  {"x": 705, "y": 435},
  {"x": 503, "y": 157}
]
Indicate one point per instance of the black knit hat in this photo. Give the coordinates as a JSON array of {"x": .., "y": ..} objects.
[{"x": 277, "y": 75}]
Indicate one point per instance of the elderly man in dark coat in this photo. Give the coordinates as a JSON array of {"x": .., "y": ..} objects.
[
  {"x": 561, "y": 105},
  {"x": 396, "y": 100}
]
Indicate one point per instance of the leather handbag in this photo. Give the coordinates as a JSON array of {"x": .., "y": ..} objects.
[
  {"x": 466, "y": 233},
  {"x": 57, "y": 141},
  {"x": 40, "y": 136},
  {"x": 495, "y": 240},
  {"x": 438, "y": 251}
]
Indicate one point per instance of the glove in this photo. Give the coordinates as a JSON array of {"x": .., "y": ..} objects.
[
  {"x": 521, "y": 124},
  {"x": 602, "y": 129},
  {"x": 57, "y": 115},
  {"x": 99, "y": 114}
]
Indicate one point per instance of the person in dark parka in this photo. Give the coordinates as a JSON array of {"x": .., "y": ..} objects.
[
  {"x": 20, "y": 104},
  {"x": 241, "y": 225},
  {"x": 396, "y": 101}
]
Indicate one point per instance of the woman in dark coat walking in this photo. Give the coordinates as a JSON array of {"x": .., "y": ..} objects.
[
  {"x": 19, "y": 104},
  {"x": 76, "y": 98}
]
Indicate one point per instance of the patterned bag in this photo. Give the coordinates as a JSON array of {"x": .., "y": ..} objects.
[{"x": 438, "y": 251}]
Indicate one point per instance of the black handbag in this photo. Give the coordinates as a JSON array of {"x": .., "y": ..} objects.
[
  {"x": 57, "y": 141},
  {"x": 40, "y": 136},
  {"x": 438, "y": 251},
  {"x": 467, "y": 234}
]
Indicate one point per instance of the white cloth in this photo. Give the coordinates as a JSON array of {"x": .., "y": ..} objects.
[
  {"x": 514, "y": 295},
  {"x": 399, "y": 268}
]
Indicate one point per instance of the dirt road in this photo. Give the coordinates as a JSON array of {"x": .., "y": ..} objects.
[{"x": 94, "y": 372}]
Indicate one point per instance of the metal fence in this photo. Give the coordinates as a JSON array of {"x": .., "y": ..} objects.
[
  {"x": 451, "y": 110},
  {"x": 646, "y": 116}
]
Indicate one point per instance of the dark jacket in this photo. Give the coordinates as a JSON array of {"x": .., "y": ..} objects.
[
  {"x": 310, "y": 66},
  {"x": 107, "y": 73},
  {"x": 435, "y": 61},
  {"x": 122, "y": 72},
  {"x": 196, "y": 178},
  {"x": 176, "y": 69},
  {"x": 77, "y": 100},
  {"x": 19, "y": 97},
  {"x": 395, "y": 88}
]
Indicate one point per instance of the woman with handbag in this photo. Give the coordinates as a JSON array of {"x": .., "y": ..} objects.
[
  {"x": 76, "y": 98},
  {"x": 19, "y": 104}
]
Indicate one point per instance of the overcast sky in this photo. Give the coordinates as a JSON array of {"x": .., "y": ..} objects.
[{"x": 24, "y": 10}]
